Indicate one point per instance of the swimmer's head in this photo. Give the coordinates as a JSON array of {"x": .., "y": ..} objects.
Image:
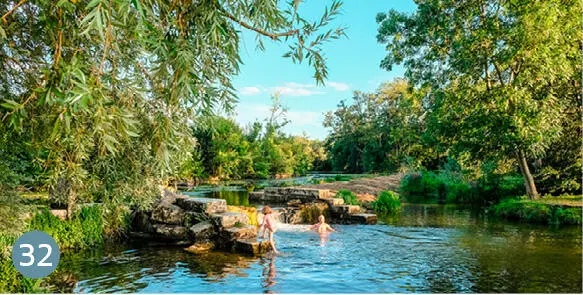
[
  {"x": 321, "y": 218},
  {"x": 266, "y": 210}
]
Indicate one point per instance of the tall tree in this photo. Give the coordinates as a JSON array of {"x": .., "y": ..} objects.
[
  {"x": 105, "y": 89},
  {"x": 494, "y": 67}
]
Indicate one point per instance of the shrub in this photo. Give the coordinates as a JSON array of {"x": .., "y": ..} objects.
[
  {"x": 387, "y": 202},
  {"x": 348, "y": 197},
  {"x": 84, "y": 229}
]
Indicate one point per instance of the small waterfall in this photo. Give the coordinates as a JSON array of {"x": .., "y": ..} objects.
[{"x": 281, "y": 218}]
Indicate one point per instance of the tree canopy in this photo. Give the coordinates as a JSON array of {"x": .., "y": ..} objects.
[{"x": 500, "y": 72}]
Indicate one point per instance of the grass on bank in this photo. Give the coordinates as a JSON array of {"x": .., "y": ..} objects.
[
  {"x": 551, "y": 210},
  {"x": 452, "y": 188}
]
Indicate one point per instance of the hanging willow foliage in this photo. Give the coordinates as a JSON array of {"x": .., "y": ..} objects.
[{"x": 104, "y": 90}]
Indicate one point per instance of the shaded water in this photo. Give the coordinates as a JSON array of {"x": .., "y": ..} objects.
[{"x": 427, "y": 248}]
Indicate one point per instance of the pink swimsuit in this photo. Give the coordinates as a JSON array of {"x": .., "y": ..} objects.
[{"x": 268, "y": 222}]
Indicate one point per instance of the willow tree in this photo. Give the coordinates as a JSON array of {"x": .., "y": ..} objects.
[
  {"x": 495, "y": 67},
  {"x": 104, "y": 90}
]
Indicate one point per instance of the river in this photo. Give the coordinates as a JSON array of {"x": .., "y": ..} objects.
[{"x": 424, "y": 249}]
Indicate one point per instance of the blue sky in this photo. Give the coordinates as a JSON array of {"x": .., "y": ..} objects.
[{"x": 353, "y": 64}]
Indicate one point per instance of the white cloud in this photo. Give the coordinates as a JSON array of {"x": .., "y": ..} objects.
[
  {"x": 251, "y": 90},
  {"x": 338, "y": 86},
  {"x": 295, "y": 91}
]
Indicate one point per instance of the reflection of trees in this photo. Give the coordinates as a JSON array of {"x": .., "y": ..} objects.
[
  {"x": 512, "y": 258},
  {"x": 119, "y": 271}
]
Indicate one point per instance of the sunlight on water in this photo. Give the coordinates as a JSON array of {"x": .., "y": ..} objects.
[{"x": 427, "y": 249}]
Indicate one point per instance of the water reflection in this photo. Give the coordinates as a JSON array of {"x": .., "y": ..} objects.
[{"x": 268, "y": 273}]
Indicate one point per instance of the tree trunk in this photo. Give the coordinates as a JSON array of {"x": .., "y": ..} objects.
[{"x": 531, "y": 191}]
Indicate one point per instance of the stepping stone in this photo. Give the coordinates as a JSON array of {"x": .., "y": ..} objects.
[
  {"x": 201, "y": 247},
  {"x": 203, "y": 205},
  {"x": 252, "y": 246},
  {"x": 229, "y": 219},
  {"x": 202, "y": 231},
  {"x": 334, "y": 201},
  {"x": 345, "y": 209},
  {"x": 167, "y": 213},
  {"x": 236, "y": 233},
  {"x": 363, "y": 218}
]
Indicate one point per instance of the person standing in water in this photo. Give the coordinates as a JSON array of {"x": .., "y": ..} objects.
[
  {"x": 268, "y": 226},
  {"x": 321, "y": 226}
]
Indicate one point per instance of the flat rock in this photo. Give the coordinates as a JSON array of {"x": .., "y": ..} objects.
[
  {"x": 167, "y": 213},
  {"x": 229, "y": 219},
  {"x": 171, "y": 197},
  {"x": 201, "y": 247},
  {"x": 363, "y": 218},
  {"x": 201, "y": 231},
  {"x": 235, "y": 233},
  {"x": 333, "y": 201},
  {"x": 170, "y": 232},
  {"x": 203, "y": 205},
  {"x": 345, "y": 209},
  {"x": 251, "y": 246}
]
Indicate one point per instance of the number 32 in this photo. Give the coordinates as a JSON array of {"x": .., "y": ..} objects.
[{"x": 30, "y": 254}]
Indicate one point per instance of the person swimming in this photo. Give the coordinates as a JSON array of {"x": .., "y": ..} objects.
[
  {"x": 321, "y": 226},
  {"x": 269, "y": 226}
]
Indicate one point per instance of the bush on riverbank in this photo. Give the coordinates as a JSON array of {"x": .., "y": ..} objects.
[
  {"x": 453, "y": 188},
  {"x": 348, "y": 197},
  {"x": 537, "y": 211},
  {"x": 83, "y": 230},
  {"x": 387, "y": 202}
]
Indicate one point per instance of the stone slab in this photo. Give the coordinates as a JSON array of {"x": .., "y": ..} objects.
[
  {"x": 202, "y": 205},
  {"x": 229, "y": 219},
  {"x": 168, "y": 213},
  {"x": 345, "y": 209},
  {"x": 236, "y": 233},
  {"x": 252, "y": 246},
  {"x": 363, "y": 218},
  {"x": 334, "y": 201},
  {"x": 170, "y": 232}
]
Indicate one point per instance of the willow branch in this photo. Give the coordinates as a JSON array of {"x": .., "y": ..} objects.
[
  {"x": 258, "y": 30},
  {"x": 11, "y": 10}
]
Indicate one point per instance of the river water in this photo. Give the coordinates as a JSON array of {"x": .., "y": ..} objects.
[{"x": 424, "y": 249}]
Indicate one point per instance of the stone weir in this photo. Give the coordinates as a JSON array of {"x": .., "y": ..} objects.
[
  {"x": 202, "y": 223},
  {"x": 301, "y": 203}
]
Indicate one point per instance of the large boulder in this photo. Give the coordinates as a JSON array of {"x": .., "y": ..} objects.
[
  {"x": 202, "y": 205},
  {"x": 170, "y": 232},
  {"x": 202, "y": 231},
  {"x": 167, "y": 213}
]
